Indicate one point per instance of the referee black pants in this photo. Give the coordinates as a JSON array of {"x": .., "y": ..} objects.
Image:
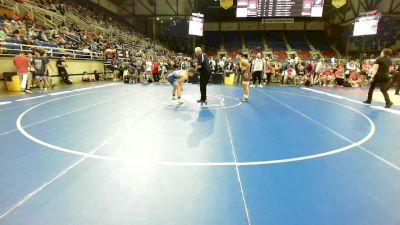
[{"x": 204, "y": 78}]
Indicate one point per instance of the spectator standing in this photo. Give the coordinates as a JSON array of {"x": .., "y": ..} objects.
[
  {"x": 258, "y": 65},
  {"x": 156, "y": 71},
  {"x": 21, "y": 63},
  {"x": 149, "y": 70},
  {"x": 47, "y": 66},
  {"x": 395, "y": 77},
  {"x": 40, "y": 69}
]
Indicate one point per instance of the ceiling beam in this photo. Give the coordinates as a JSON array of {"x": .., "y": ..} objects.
[
  {"x": 391, "y": 6},
  {"x": 353, "y": 9},
  {"x": 191, "y": 6},
  {"x": 394, "y": 8},
  {"x": 172, "y": 8},
  {"x": 146, "y": 7},
  {"x": 363, "y": 5},
  {"x": 375, "y": 4},
  {"x": 177, "y": 6},
  {"x": 133, "y": 7}
]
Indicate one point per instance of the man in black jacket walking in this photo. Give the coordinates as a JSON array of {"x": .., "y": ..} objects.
[{"x": 203, "y": 66}]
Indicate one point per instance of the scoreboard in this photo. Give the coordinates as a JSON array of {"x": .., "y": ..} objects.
[
  {"x": 279, "y": 8},
  {"x": 196, "y": 23}
]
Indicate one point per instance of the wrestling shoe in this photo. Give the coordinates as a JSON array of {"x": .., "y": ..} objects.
[
  {"x": 244, "y": 100},
  {"x": 390, "y": 104},
  {"x": 367, "y": 102}
]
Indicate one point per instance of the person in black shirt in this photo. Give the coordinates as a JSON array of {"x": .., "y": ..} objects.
[
  {"x": 62, "y": 70},
  {"x": 203, "y": 66},
  {"x": 395, "y": 77},
  {"x": 380, "y": 76}
]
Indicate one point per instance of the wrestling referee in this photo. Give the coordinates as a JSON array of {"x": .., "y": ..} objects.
[{"x": 203, "y": 66}]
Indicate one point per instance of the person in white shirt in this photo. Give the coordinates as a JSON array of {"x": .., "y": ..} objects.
[
  {"x": 213, "y": 64},
  {"x": 221, "y": 65},
  {"x": 318, "y": 70},
  {"x": 288, "y": 74},
  {"x": 257, "y": 68},
  {"x": 149, "y": 69}
]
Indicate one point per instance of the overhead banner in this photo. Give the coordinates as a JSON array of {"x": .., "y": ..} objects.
[
  {"x": 226, "y": 4},
  {"x": 339, "y": 3}
]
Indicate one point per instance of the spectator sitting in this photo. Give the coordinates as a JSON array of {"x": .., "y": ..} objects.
[
  {"x": 288, "y": 74},
  {"x": 354, "y": 79},
  {"x": 53, "y": 7},
  {"x": 58, "y": 39},
  {"x": 8, "y": 27},
  {"x": 62, "y": 70},
  {"x": 327, "y": 76},
  {"x": 3, "y": 34},
  {"x": 87, "y": 77},
  {"x": 110, "y": 53},
  {"x": 86, "y": 50},
  {"x": 16, "y": 34},
  {"x": 61, "y": 8},
  {"x": 42, "y": 36}
]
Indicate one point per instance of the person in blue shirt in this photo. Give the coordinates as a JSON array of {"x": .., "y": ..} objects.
[{"x": 176, "y": 79}]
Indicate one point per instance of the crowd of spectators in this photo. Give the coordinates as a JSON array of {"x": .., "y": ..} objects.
[
  {"x": 103, "y": 32},
  {"x": 323, "y": 72},
  {"x": 127, "y": 52}
]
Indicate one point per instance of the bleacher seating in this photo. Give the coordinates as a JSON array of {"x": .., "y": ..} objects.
[
  {"x": 329, "y": 54},
  {"x": 319, "y": 40},
  {"x": 297, "y": 40},
  {"x": 304, "y": 54},
  {"x": 280, "y": 54},
  {"x": 233, "y": 40},
  {"x": 213, "y": 40},
  {"x": 231, "y": 54},
  {"x": 212, "y": 52},
  {"x": 275, "y": 41},
  {"x": 254, "y": 40}
]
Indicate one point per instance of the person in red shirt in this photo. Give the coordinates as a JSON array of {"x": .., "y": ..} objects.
[
  {"x": 22, "y": 65},
  {"x": 366, "y": 66},
  {"x": 354, "y": 79},
  {"x": 155, "y": 71},
  {"x": 339, "y": 72}
]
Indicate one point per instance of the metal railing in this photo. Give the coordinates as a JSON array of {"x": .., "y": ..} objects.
[{"x": 11, "y": 49}]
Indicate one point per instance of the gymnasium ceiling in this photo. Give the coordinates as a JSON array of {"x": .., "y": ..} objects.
[
  {"x": 213, "y": 12},
  {"x": 157, "y": 8}
]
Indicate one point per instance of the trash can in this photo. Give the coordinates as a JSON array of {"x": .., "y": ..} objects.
[
  {"x": 229, "y": 79},
  {"x": 13, "y": 82}
]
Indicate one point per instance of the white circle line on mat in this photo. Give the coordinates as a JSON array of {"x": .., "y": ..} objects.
[
  {"x": 176, "y": 163},
  {"x": 152, "y": 100}
]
